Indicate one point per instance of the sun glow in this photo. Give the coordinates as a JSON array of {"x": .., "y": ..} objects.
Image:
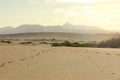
[{"x": 84, "y": 1}]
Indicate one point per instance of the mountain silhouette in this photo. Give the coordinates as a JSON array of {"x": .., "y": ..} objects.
[{"x": 28, "y": 28}]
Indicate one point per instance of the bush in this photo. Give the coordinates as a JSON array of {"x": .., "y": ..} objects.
[
  {"x": 53, "y": 39},
  {"x": 75, "y": 44},
  {"x": 66, "y": 43},
  {"x": 44, "y": 43},
  {"x": 26, "y": 43},
  {"x": 56, "y": 44},
  {"x": 111, "y": 43},
  {"x": 6, "y": 41}
]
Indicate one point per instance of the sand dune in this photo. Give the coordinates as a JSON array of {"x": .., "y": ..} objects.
[{"x": 62, "y": 63}]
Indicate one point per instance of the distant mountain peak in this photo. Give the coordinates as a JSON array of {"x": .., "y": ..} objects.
[
  {"x": 67, "y": 27},
  {"x": 67, "y": 24},
  {"x": 29, "y": 25}
]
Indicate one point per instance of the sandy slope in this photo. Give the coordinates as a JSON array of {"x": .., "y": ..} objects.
[{"x": 62, "y": 63}]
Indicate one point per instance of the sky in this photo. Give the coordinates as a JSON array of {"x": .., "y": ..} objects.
[{"x": 101, "y": 13}]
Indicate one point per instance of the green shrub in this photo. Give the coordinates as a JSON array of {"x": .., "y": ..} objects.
[
  {"x": 75, "y": 44},
  {"x": 6, "y": 41},
  {"x": 26, "y": 43},
  {"x": 66, "y": 43},
  {"x": 111, "y": 43},
  {"x": 56, "y": 44}
]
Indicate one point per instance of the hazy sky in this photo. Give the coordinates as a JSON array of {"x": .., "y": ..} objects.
[{"x": 101, "y": 13}]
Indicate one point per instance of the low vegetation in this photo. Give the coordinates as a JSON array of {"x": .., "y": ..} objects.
[
  {"x": 25, "y": 43},
  {"x": 6, "y": 41},
  {"x": 75, "y": 44},
  {"x": 111, "y": 43},
  {"x": 43, "y": 43}
]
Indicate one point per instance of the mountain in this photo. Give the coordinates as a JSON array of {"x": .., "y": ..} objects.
[
  {"x": 84, "y": 29},
  {"x": 27, "y": 28}
]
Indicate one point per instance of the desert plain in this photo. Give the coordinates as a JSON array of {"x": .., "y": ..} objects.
[{"x": 44, "y": 62}]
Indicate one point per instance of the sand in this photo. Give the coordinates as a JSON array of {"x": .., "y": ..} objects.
[{"x": 21, "y": 62}]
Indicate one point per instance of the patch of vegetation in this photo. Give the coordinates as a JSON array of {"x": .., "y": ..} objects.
[
  {"x": 75, "y": 44},
  {"x": 25, "y": 43},
  {"x": 43, "y": 43},
  {"x": 53, "y": 39},
  {"x": 6, "y": 41},
  {"x": 111, "y": 43}
]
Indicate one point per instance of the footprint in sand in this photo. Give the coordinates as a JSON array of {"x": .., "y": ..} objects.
[
  {"x": 101, "y": 71},
  {"x": 88, "y": 57},
  {"x": 118, "y": 54},
  {"x": 113, "y": 73},
  {"x": 22, "y": 59},
  {"x": 97, "y": 52},
  {"x": 10, "y": 62},
  {"x": 108, "y": 54},
  {"x": 2, "y": 65},
  {"x": 32, "y": 57},
  {"x": 37, "y": 54},
  {"x": 66, "y": 74}
]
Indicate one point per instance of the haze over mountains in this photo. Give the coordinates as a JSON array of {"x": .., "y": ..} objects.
[{"x": 28, "y": 28}]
